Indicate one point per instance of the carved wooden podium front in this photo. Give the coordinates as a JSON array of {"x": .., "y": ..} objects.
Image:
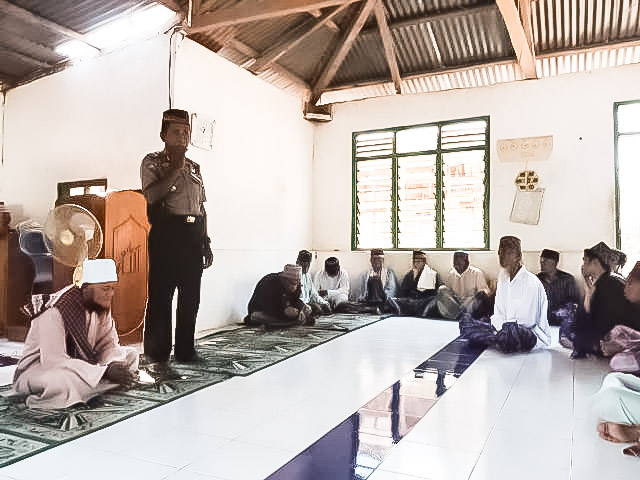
[{"x": 123, "y": 218}]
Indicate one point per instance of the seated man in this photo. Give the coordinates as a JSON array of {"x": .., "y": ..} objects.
[
  {"x": 604, "y": 305},
  {"x": 519, "y": 322},
  {"x": 72, "y": 353},
  {"x": 276, "y": 300},
  {"x": 561, "y": 288},
  {"x": 378, "y": 285},
  {"x": 333, "y": 284},
  {"x": 417, "y": 292},
  {"x": 309, "y": 294},
  {"x": 464, "y": 289}
]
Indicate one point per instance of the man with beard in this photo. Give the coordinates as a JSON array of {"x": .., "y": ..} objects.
[
  {"x": 72, "y": 353},
  {"x": 179, "y": 247}
]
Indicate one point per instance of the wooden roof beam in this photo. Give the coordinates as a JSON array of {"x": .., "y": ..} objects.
[
  {"x": 520, "y": 38},
  {"x": 292, "y": 40},
  {"x": 389, "y": 47},
  {"x": 27, "y": 16},
  {"x": 341, "y": 51},
  {"x": 331, "y": 24},
  {"x": 253, "y": 10}
]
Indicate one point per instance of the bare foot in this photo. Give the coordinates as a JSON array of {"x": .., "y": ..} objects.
[{"x": 619, "y": 433}]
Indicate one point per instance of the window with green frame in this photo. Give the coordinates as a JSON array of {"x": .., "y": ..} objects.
[{"x": 422, "y": 186}]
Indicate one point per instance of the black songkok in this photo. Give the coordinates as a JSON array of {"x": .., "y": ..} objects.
[
  {"x": 551, "y": 254},
  {"x": 511, "y": 242},
  {"x": 332, "y": 266},
  {"x": 304, "y": 256},
  {"x": 605, "y": 254},
  {"x": 419, "y": 254},
  {"x": 174, "y": 115},
  {"x": 377, "y": 252}
]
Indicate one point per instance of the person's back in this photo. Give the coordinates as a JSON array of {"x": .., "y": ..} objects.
[{"x": 609, "y": 307}]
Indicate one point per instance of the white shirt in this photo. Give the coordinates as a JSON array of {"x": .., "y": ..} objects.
[
  {"x": 337, "y": 287},
  {"x": 468, "y": 284},
  {"x": 308, "y": 293},
  {"x": 522, "y": 300}
]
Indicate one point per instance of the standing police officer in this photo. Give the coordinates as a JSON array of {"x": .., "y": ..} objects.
[{"x": 179, "y": 247}]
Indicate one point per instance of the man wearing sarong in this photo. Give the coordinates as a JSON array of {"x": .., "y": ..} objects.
[
  {"x": 333, "y": 284},
  {"x": 604, "y": 305},
  {"x": 72, "y": 353},
  {"x": 378, "y": 285},
  {"x": 519, "y": 322},
  {"x": 417, "y": 292},
  {"x": 276, "y": 300},
  {"x": 308, "y": 294},
  {"x": 465, "y": 289},
  {"x": 561, "y": 287}
]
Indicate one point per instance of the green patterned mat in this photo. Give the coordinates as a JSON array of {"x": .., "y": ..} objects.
[{"x": 25, "y": 432}]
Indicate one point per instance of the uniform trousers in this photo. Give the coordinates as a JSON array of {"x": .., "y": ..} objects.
[{"x": 175, "y": 262}]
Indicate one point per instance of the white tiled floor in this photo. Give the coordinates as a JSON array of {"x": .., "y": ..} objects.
[{"x": 516, "y": 417}]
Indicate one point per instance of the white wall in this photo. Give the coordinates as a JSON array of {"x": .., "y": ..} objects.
[
  {"x": 578, "y": 209},
  {"x": 95, "y": 119},
  {"x": 257, "y": 177}
]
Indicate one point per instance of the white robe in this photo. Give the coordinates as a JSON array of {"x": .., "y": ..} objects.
[
  {"x": 522, "y": 300},
  {"x": 618, "y": 399},
  {"x": 337, "y": 287},
  {"x": 467, "y": 284},
  {"x": 52, "y": 379}
]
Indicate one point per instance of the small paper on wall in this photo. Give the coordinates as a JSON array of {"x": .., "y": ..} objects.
[
  {"x": 526, "y": 206},
  {"x": 528, "y": 148},
  {"x": 202, "y": 131}
]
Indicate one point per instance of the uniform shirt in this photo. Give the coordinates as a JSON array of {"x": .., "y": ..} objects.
[
  {"x": 337, "y": 287},
  {"x": 271, "y": 297},
  {"x": 309, "y": 294},
  {"x": 561, "y": 290},
  {"x": 181, "y": 191},
  {"x": 467, "y": 284},
  {"x": 522, "y": 300}
]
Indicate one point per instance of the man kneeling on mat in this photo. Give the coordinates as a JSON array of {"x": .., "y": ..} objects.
[{"x": 276, "y": 300}]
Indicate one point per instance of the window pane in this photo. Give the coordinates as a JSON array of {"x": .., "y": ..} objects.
[
  {"x": 628, "y": 174},
  {"x": 464, "y": 134},
  {"x": 417, "y": 202},
  {"x": 373, "y": 190},
  {"x": 374, "y": 144},
  {"x": 419, "y": 139},
  {"x": 629, "y": 118},
  {"x": 463, "y": 204}
]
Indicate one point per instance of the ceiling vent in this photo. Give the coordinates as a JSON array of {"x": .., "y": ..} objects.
[{"x": 318, "y": 113}]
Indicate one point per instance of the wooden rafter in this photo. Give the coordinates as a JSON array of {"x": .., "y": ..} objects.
[
  {"x": 252, "y": 10},
  {"x": 283, "y": 72},
  {"x": 171, "y": 5},
  {"x": 520, "y": 39},
  {"x": 295, "y": 38},
  {"x": 340, "y": 53},
  {"x": 27, "y": 16},
  {"x": 389, "y": 47}
]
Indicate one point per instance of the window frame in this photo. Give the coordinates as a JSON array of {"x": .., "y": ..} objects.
[
  {"x": 616, "y": 136},
  {"x": 438, "y": 152}
]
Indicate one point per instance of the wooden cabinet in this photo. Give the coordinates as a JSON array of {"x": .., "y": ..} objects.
[{"x": 123, "y": 218}]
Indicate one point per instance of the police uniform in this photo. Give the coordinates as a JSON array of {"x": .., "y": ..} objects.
[{"x": 176, "y": 241}]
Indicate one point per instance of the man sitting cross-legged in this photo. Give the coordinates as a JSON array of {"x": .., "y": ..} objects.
[
  {"x": 519, "y": 322},
  {"x": 562, "y": 290},
  {"x": 333, "y": 285},
  {"x": 417, "y": 292},
  {"x": 465, "y": 289},
  {"x": 378, "y": 285},
  {"x": 72, "y": 353},
  {"x": 276, "y": 300},
  {"x": 309, "y": 295},
  {"x": 604, "y": 305}
]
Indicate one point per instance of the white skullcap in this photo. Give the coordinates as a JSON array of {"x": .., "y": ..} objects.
[{"x": 101, "y": 270}]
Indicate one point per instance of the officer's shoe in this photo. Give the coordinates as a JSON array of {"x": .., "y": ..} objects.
[{"x": 195, "y": 357}]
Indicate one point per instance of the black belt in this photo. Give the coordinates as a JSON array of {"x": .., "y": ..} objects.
[{"x": 180, "y": 218}]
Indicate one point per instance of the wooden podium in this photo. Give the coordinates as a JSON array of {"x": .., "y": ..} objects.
[{"x": 123, "y": 218}]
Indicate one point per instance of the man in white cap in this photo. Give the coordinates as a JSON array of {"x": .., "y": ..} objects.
[
  {"x": 276, "y": 300},
  {"x": 72, "y": 353}
]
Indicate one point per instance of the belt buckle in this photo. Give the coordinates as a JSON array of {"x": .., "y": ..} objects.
[{"x": 191, "y": 219}]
